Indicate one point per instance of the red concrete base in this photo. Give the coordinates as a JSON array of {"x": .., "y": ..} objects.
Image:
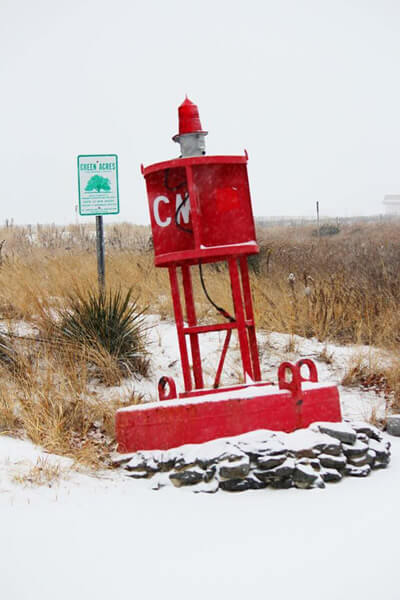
[{"x": 221, "y": 413}]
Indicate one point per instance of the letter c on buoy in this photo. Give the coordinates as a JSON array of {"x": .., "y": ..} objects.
[{"x": 157, "y": 218}]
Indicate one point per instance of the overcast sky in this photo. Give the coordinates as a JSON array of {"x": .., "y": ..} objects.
[{"x": 310, "y": 88}]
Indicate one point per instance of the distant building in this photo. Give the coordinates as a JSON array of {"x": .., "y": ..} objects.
[{"x": 391, "y": 202}]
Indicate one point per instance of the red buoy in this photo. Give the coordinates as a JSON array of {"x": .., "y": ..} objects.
[{"x": 200, "y": 212}]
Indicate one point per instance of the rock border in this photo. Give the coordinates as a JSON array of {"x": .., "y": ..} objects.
[{"x": 305, "y": 459}]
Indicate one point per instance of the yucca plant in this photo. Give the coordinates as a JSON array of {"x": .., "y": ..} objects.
[{"x": 109, "y": 330}]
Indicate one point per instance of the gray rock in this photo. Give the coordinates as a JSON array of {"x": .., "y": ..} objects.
[
  {"x": 136, "y": 462},
  {"x": 286, "y": 469},
  {"x": 255, "y": 449},
  {"x": 369, "y": 430},
  {"x": 196, "y": 455},
  {"x": 359, "y": 461},
  {"x": 183, "y": 462},
  {"x": 356, "y": 450},
  {"x": 282, "y": 484},
  {"x": 232, "y": 454},
  {"x": 234, "y": 485},
  {"x": 320, "y": 483},
  {"x": 157, "y": 460},
  {"x": 138, "y": 474},
  {"x": 304, "y": 461},
  {"x": 281, "y": 472},
  {"x": 304, "y": 476},
  {"x": 120, "y": 459},
  {"x": 382, "y": 449},
  {"x": 306, "y": 452},
  {"x": 334, "y": 448},
  {"x": 255, "y": 483},
  {"x": 209, "y": 473},
  {"x": 210, "y": 453},
  {"x": 203, "y": 455},
  {"x": 357, "y": 471},
  {"x": 165, "y": 461},
  {"x": 275, "y": 447},
  {"x": 141, "y": 462},
  {"x": 332, "y": 462},
  {"x": 316, "y": 465},
  {"x": 340, "y": 431},
  {"x": 236, "y": 469},
  {"x": 269, "y": 462},
  {"x": 371, "y": 458},
  {"x": 393, "y": 425},
  {"x": 187, "y": 477},
  {"x": 363, "y": 437},
  {"x": 382, "y": 453},
  {"x": 381, "y": 464},
  {"x": 331, "y": 475},
  {"x": 264, "y": 476},
  {"x": 205, "y": 462}
]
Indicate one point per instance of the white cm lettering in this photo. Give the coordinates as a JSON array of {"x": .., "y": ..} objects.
[{"x": 182, "y": 207}]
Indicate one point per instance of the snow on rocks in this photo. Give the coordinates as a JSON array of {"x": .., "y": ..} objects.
[
  {"x": 305, "y": 459},
  {"x": 341, "y": 431},
  {"x": 187, "y": 477},
  {"x": 369, "y": 430},
  {"x": 357, "y": 471},
  {"x": 236, "y": 468}
]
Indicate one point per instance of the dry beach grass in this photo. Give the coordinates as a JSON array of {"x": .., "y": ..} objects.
[{"x": 344, "y": 288}]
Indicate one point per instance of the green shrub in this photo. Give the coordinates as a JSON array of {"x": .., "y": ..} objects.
[{"x": 109, "y": 329}]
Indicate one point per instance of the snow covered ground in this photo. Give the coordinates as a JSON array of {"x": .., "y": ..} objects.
[
  {"x": 107, "y": 536},
  {"x": 111, "y": 537}
]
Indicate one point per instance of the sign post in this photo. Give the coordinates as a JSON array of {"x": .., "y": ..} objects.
[
  {"x": 101, "y": 266},
  {"x": 98, "y": 196}
]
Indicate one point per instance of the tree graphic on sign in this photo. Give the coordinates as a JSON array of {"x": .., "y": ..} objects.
[{"x": 98, "y": 183}]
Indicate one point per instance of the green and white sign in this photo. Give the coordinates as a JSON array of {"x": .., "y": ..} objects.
[{"x": 98, "y": 184}]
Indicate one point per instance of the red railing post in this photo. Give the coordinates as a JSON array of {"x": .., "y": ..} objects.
[
  {"x": 179, "y": 327},
  {"x": 244, "y": 270},
  {"x": 240, "y": 318},
  {"x": 192, "y": 322}
]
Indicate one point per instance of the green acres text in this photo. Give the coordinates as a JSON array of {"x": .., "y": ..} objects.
[{"x": 100, "y": 166}]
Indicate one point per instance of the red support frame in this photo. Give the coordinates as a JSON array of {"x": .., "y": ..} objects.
[{"x": 244, "y": 324}]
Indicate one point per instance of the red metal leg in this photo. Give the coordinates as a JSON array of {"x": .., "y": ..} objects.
[
  {"x": 250, "y": 317},
  {"x": 240, "y": 317},
  {"x": 222, "y": 359},
  {"x": 179, "y": 327},
  {"x": 192, "y": 321}
]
